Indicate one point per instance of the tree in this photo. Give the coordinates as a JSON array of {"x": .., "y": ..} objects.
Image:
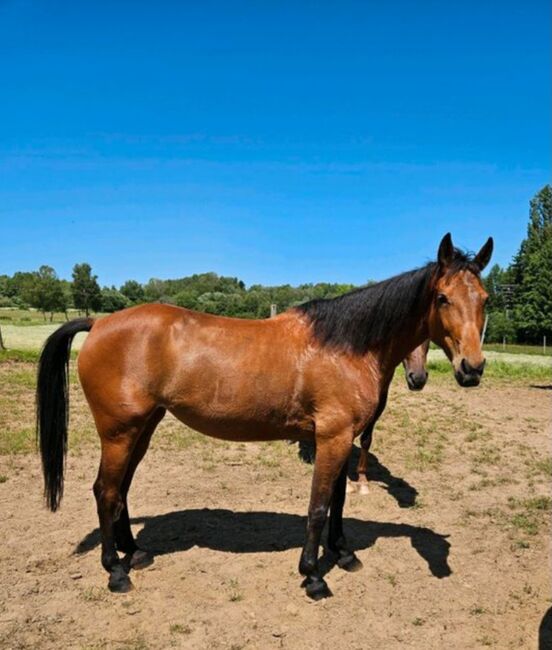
[
  {"x": 500, "y": 327},
  {"x": 45, "y": 292},
  {"x": 532, "y": 272},
  {"x": 113, "y": 300},
  {"x": 134, "y": 291},
  {"x": 86, "y": 291}
]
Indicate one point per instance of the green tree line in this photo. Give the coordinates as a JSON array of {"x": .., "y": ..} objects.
[
  {"x": 519, "y": 308},
  {"x": 520, "y": 295}
]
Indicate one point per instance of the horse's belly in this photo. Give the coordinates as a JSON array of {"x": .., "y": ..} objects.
[{"x": 245, "y": 427}]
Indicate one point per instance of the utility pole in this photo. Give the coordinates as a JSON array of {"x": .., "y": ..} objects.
[{"x": 507, "y": 291}]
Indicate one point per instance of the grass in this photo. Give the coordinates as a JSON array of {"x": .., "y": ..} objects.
[
  {"x": 544, "y": 466},
  {"x": 496, "y": 369},
  {"x": 32, "y": 317},
  {"x": 235, "y": 594},
  {"x": 21, "y": 356},
  {"x": 178, "y": 628},
  {"x": 530, "y": 514},
  {"x": 391, "y": 579}
]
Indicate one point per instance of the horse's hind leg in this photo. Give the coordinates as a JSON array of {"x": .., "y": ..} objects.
[
  {"x": 136, "y": 557},
  {"x": 118, "y": 440}
]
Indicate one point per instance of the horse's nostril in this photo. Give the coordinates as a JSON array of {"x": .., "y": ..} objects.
[
  {"x": 481, "y": 367},
  {"x": 468, "y": 369}
]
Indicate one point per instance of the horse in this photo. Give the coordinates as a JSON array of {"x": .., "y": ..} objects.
[
  {"x": 315, "y": 372},
  {"x": 415, "y": 372}
]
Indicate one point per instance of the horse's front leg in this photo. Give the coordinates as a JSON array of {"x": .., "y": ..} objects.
[
  {"x": 332, "y": 452},
  {"x": 337, "y": 544}
]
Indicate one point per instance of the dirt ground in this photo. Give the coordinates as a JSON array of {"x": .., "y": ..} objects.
[{"x": 453, "y": 536}]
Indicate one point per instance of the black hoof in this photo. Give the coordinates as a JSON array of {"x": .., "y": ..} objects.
[
  {"x": 349, "y": 562},
  {"x": 317, "y": 589},
  {"x": 119, "y": 582},
  {"x": 140, "y": 559}
]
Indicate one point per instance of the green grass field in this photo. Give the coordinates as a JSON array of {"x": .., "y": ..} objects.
[
  {"x": 27, "y": 317},
  {"x": 514, "y": 348}
]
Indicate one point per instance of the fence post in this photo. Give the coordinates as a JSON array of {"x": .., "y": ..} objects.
[
  {"x": 484, "y": 329},
  {"x": 273, "y": 310},
  {"x": 543, "y": 344},
  {"x": 2, "y": 346}
]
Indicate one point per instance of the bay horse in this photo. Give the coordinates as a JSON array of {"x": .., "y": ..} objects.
[
  {"x": 317, "y": 371},
  {"x": 415, "y": 373}
]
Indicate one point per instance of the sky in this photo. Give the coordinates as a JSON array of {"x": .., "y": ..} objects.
[{"x": 276, "y": 141}]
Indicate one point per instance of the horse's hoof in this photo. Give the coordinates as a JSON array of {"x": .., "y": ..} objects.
[
  {"x": 351, "y": 487},
  {"x": 363, "y": 489},
  {"x": 349, "y": 562},
  {"x": 119, "y": 582},
  {"x": 317, "y": 589},
  {"x": 141, "y": 559}
]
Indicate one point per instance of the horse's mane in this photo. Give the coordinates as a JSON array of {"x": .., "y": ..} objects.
[{"x": 365, "y": 317}]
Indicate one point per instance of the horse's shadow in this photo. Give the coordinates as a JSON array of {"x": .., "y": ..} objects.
[
  {"x": 264, "y": 532},
  {"x": 403, "y": 493}
]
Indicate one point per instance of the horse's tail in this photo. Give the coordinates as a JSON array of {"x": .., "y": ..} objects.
[
  {"x": 52, "y": 406},
  {"x": 307, "y": 451}
]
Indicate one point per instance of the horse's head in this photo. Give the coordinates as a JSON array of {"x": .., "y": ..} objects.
[
  {"x": 457, "y": 310},
  {"x": 415, "y": 367}
]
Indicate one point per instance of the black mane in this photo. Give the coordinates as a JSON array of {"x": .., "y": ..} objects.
[{"x": 365, "y": 317}]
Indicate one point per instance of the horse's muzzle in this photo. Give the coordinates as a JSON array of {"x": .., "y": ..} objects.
[
  {"x": 468, "y": 375},
  {"x": 416, "y": 380}
]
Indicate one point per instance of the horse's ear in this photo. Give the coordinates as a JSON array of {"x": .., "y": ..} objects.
[
  {"x": 482, "y": 258},
  {"x": 446, "y": 251}
]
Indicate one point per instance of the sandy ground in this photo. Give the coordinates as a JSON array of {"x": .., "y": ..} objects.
[{"x": 453, "y": 537}]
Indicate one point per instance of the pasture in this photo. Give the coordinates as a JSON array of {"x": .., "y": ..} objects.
[{"x": 453, "y": 535}]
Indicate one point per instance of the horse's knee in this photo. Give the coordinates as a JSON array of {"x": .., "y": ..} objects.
[
  {"x": 317, "y": 517},
  {"x": 109, "y": 501}
]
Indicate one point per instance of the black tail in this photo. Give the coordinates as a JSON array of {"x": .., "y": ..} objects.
[{"x": 52, "y": 406}]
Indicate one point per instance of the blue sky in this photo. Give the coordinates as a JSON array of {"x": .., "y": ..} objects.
[{"x": 274, "y": 141}]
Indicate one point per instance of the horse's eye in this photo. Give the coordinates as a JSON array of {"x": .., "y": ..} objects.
[{"x": 442, "y": 299}]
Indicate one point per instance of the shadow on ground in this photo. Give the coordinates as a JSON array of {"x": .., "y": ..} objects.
[{"x": 264, "y": 532}]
